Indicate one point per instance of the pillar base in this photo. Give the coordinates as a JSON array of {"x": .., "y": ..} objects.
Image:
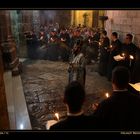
[{"x": 17, "y": 70}]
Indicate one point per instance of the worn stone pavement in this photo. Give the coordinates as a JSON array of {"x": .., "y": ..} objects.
[{"x": 44, "y": 82}]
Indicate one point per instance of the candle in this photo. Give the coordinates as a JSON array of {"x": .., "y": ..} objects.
[
  {"x": 110, "y": 46},
  {"x": 57, "y": 116},
  {"x": 52, "y": 39},
  {"x": 89, "y": 40},
  {"x": 99, "y": 43},
  {"x": 131, "y": 57},
  {"x": 123, "y": 54},
  {"x": 107, "y": 95}
]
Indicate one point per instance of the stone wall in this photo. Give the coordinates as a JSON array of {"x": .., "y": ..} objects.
[{"x": 123, "y": 22}]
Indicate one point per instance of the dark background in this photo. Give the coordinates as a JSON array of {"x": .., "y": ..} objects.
[{"x": 64, "y": 4}]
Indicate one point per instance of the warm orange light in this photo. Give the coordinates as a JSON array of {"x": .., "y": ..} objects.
[
  {"x": 131, "y": 56},
  {"x": 57, "y": 116},
  {"x": 123, "y": 54},
  {"x": 107, "y": 95}
]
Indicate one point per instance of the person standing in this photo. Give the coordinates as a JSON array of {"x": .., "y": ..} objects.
[
  {"x": 104, "y": 46},
  {"x": 74, "y": 98},
  {"x": 121, "y": 110},
  {"x": 114, "y": 50},
  {"x": 77, "y": 64},
  {"x": 129, "y": 51}
]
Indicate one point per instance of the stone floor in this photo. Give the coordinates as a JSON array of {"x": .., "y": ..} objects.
[{"x": 44, "y": 82}]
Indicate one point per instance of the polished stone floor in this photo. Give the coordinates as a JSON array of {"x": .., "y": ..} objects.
[{"x": 44, "y": 82}]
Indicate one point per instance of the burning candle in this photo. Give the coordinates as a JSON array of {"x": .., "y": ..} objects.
[
  {"x": 131, "y": 57},
  {"x": 57, "y": 116},
  {"x": 110, "y": 46},
  {"x": 52, "y": 39},
  {"x": 107, "y": 95},
  {"x": 123, "y": 54},
  {"x": 99, "y": 43}
]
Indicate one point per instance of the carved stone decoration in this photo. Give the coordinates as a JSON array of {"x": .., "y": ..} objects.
[{"x": 9, "y": 50}]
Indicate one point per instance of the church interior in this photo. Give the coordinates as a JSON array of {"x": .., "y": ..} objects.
[{"x": 33, "y": 77}]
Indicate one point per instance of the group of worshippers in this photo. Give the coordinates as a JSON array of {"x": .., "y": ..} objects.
[
  {"x": 57, "y": 44},
  {"x": 81, "y": 45},
  {"x": 119, "y": 112},
  {"x": 113, "y": 52}
]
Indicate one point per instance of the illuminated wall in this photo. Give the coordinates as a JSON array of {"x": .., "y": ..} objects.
[{"x": 77, "y": 17}]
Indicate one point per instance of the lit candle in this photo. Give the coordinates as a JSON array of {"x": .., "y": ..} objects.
[
  {"x": 52, "y": 39},
  {"x": 57, "y": 116},
  {"x": 107, "y": 95},
  {"x": 131, "y": 57},
  {"x": 99, "y": 43},
  {"x": 123, "y": 54},
  {"x": 110, "y": 46}
]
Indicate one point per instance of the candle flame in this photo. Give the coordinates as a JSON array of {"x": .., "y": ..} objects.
[
  {"x": 123, "y": 54},
  {"x": 110, "y": 46},
  {"x": 107, "y": 95},
  {"x": 131, "y": 56},
  {"x": 99, "y": 43},
  {"x": 57, "y": 116}
]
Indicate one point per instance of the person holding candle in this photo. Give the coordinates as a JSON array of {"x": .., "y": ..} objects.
[
  {"x": 74, "y": 97},
  {"x": 114, "y": 50},
  {"x": 121, "y": 111},
  {"x": 129, "y": 51},
  {"x": 104, "y": 46}
]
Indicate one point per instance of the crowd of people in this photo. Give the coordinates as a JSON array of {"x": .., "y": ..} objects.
[
  {"x": 118, "y": 61},
  {"x": 119, "y": 112},
  {"x": 55, "y": 43}
]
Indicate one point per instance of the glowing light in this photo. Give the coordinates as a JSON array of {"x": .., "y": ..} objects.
[
  {"x": 107, "y": 95},
  {"x": 131, "y": 56},
  {"x": 21, "y": 126},
  {"x": 57, "y": 116},
  {"x": 110, "y": 46},
  {"x": 123, "y": 54},
  {"x": 99, "y": 43}
]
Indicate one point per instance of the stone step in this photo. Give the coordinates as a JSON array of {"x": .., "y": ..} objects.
[
  {"x": 21, "y": 112},
  {"x": 16, "y": 103}
]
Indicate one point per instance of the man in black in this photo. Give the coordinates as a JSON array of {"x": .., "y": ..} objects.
[
  {"x": 115, "y": 49},
  {"x": 74, "y": 97},
  {"x": 129, "y": 52},
  {"x": 121, "y": 111},
  {"x": 104, "y": 46}
]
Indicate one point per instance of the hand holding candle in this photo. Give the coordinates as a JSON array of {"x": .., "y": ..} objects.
[{"x": 52, "y": 122}]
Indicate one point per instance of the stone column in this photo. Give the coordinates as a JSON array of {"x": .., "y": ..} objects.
[
  {"x": 95, "y": 18},
  {"x": 36, "y": 21},
  {"x": 4, "y": 119},
  {"x": 9, "y": 50}
]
